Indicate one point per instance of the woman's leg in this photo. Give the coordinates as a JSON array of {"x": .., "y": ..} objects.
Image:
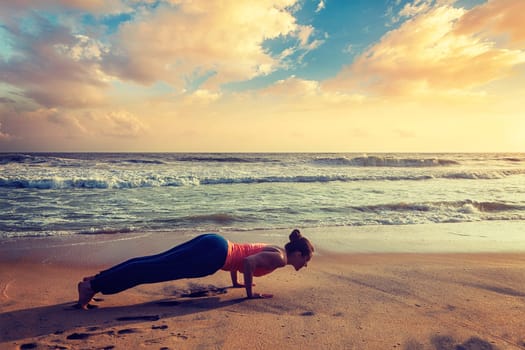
[{"x": 201, "y": 256}]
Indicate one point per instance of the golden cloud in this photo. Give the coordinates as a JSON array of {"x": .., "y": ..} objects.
[
  {"x": 496, "y": 18},
  {"x": 201, "y": 97},
  {"x": 220, "y": 39},
  {"x": 56, "y": 68},
  {"x": 428, "y": 55},
  {"x": 113, "y": 123},
  {"x": 292, "y": 87}
]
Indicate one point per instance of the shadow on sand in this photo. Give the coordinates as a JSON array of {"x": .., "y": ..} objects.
[
  {"x": 445, "y": 342},
  {"x": 63, "y": 318}
]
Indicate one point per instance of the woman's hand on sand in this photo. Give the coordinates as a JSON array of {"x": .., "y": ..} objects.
[{"x": 261, "y": 296}]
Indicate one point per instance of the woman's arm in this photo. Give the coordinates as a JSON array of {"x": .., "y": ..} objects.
[
  {"x": 266, "y": 260},
  {"x": 235, "y": 282}
]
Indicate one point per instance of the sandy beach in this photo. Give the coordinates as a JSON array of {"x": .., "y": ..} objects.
[{"x": 347, "y": 298}]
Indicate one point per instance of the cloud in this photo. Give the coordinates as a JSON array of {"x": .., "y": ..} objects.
[
  {"x": 120, "y": 124},
  {"x": 320, "y": 6},
  {"x": 85, "y": 48},
  {"x": 95, "y": 6},
  {"x": 426, "y": 56},
  {"x": 26, "y": 128},
  {"x": 63, "y": 62},
  {"x": 201, "y": 97},
  {"x": 496, "y": 17},
  {"x": 304, "y": 33},
  {"x": 3, "y": 135},
  {"x": 59, "y": 127},
  {"x": 292, "y": 87},
  {"x": 54, "y": 67},
  {"x": 68, "y": 122},
  {"x": 171, "y": 43},
  {"x": 7, "y": 100},
  {"x": 349, "y": 49},
  {"x": 9, "y": 8},
  {"x": 309, "y": 93},
  {"x": 415, "y": 8}
]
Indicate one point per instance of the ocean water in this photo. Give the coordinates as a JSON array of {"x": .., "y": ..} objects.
[{"x": 90, "y": 193}]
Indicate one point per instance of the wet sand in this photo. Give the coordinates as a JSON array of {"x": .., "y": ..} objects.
[{"x": 344, "y": 299}]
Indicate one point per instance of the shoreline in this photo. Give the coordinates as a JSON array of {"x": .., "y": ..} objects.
[{"x": 103, "y": 249}]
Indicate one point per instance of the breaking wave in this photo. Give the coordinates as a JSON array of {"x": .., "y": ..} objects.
[
  {"x": 21, "y": 158},
  {"x": 139, "y": 181},
  {"x": 461, "y": 206},
  {"x": 225, "y": 159},
  {"x": 377, "y": 161}
]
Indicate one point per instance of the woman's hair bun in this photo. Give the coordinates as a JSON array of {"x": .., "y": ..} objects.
[
  {"x": 295, "y": 235},
  {"x": 298, "y": 243}
]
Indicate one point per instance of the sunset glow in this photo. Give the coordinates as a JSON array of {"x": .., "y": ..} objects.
[{"x": 262, "y": 76}]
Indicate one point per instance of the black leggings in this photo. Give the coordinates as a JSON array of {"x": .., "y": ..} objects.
[{"x": 202, "y": 256}]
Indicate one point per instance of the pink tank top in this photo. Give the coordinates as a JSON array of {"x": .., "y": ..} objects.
[{"x": 236, "y": 254}]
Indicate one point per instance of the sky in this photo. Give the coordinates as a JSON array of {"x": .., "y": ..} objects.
[{"x": 262, "y": 76}]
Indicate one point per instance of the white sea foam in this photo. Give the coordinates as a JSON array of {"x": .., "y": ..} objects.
[{"x": 136, "y": 180}]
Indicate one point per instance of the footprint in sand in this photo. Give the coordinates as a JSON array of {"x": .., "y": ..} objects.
[
  {"x": 128, "y": 331},
  {"x": 160, "y": 327},
  {"x": 41, "y": 346},
  {"x": 308, "y": 313},
  {"x": 78, "y": 336},
  {"x": 139, "y": 318},
  {"x": 82, "y": 336}
]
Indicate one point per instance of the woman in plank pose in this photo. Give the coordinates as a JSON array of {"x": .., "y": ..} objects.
[{"x": 201, "y": 256}]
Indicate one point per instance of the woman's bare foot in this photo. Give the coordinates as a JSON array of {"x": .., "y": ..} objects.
[{"x": 85, "y": 294}]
